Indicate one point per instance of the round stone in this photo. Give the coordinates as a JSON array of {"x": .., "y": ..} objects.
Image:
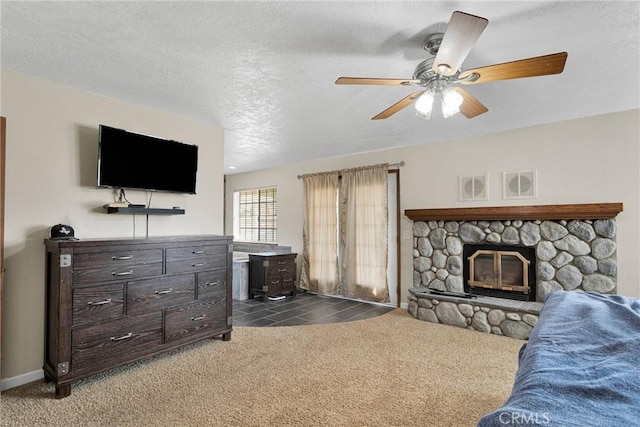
[
  {"x": 439, "y": 259},
  {"x": 421, "y": 264},
  {"x": 545, "y": 251},
  {"x": 442, "y": 274},
  {"x": 454, "y": 264},
  {"x": 562, "y": 259},
  {"x": 479, "y": 322},
  {"x": 530, "y": 319},
  {"x": 529, "y": 234},
  {"x": 586, "y": 264},
  {"x": 420, "y": 229},
  {"x": 608, "y": 267},
  {"x": 427, "y": 315},
  {"x": 493, "y": 238},
  {"x": 582, "y": 230},
  {"x": 605, "y": 227},
  {"x": 416, "y": 279},
  {"x": 452, "y": 226},
  {"x": 437, "y": 284},
  {"x": 515, "y": 329},
  {"x": 470, "y": 233},
  {"x": 545, "y": 271},
  {"x": 454, "y": 245},
  {"x": 602, "y": 248},
  {"x": 513, "y": 316},
  {"x": 495, "y": 317},
  {"x": 496, "y": 226},
  {"x": 569, "y": 277},
  {"x": 573, "y": 245},
  {"x": 437, "y": 238},
  {"x": 454, "y": 283},
  {"x": 423, "y": 302},
  {"x": 449, "y": 314},
  {"x": 510, "y": 236},
  {"x": 424, "y": 247},
  {"x": 466, "y": 310},
  {"x": 598, "y": 283},
  {"x": 427, "y": 277},
  {"x": 553, "y": 231}
]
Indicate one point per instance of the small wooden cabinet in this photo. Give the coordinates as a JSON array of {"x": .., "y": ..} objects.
[
  {"x": 272, "y": 274},
  {"x": 112, "y": 302}
]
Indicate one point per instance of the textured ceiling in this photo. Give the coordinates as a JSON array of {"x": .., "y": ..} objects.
[{"x": 265, "y": 71}]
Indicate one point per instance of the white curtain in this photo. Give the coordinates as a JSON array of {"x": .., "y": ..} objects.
[
  {"x": 364, "y": 223},
  {"x": 345, "y": 233},
  {"x": 320, "y": 234}
]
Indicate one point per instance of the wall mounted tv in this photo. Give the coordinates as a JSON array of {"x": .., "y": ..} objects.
[{"x": 133, "y": 161}]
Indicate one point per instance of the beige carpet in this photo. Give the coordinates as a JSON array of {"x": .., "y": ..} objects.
[{"x": 392, "y": 370}]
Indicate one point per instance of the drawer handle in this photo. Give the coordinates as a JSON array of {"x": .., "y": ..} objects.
[
  {"x": 107, "y": 301},
  {"x": 282, "y": 262},
  {"x": 166, "y": 291},
  {"x": 200, "y": 264},
  {"x": 197, "y": 252},
  {"x": 198, "y": 318},
  {"x": 122, "y": 273},
  {"x": 288, "y": 280},
  {"x": 121, "y": 258},
  {"x": 280, "y": 270},
  {"x": 211, "y": 283},
  {"x": 275, "y": 282},
  {"x": 124, "y": 337}
]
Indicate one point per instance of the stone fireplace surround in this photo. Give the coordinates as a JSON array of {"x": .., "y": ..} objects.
[{"x": 575, "y": 248}]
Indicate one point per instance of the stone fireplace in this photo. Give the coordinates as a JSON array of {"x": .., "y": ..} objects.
[{"x": 493, "y": 267}]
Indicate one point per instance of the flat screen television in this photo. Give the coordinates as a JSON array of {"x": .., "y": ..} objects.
[{"x": 130, "y": 160}]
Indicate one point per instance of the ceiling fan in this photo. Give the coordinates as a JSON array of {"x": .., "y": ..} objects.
[{"x": 438, "y": 74}]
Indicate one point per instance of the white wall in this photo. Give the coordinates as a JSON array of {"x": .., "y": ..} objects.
[
  {"x": 51, "y": 158},
  {"x": 589, "y": 160}
]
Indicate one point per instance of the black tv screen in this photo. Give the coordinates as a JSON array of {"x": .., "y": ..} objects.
[{"x": 133, "y": 161}]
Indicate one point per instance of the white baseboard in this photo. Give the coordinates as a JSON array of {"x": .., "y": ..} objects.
[
  {"x": 404, "y": 305},
  {"x": 18, "y": 380}
]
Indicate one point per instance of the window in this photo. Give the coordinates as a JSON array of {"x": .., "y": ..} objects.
[{"x": 255, "y": 214}]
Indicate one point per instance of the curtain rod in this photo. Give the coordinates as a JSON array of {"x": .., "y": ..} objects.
[{"x": 391, "y": 166}]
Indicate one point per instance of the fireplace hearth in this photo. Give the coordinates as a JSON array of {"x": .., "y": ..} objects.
[{"x": 500, "y": 271}]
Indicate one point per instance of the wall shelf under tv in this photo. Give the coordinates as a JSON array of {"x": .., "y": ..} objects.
[{"x": 145, "y": 211}]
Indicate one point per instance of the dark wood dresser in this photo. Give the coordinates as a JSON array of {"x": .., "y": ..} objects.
[
  {"x": 272, "y": 274},
  {"x": 111, "y": 302}
]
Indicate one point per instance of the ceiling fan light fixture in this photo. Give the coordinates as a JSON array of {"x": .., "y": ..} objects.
[
  {"x": 424, "y": 103},
  {"x": 444, "y": 69},
  {"x": 451, "y": 102}
]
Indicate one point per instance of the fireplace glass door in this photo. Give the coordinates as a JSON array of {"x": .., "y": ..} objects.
[{"x": 502, "y": 270}]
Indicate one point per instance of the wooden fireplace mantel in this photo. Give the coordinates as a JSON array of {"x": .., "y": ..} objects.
[{"x": 539, "y": 212}]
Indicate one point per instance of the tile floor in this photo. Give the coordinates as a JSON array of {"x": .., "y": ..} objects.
[{"x": 303, "y": 309}]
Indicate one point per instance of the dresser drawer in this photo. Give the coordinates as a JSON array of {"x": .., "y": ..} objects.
[
  {"x": 212, "y": 283},
  {"x": 197, "y": 252},
  {"x": 111, "y": 273},
  {"x": 111, "y": 344},
  {"x": 98, "y": 303},
  {"x": 147, "y": 295},
  {"x": 202, "y": 318},
  {"x": 117, "y": 258},
  {"x": 193, "y": 265}
]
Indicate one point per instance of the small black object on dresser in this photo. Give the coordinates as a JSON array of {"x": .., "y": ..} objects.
[
  {"x": 113, "y": 302},
  {"x": 272, "y": 274}
]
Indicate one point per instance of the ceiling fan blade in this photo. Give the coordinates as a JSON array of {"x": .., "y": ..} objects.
[
  {"x": 461, "y": 35},
  {"x": 404, "y": 102},
  {"x": 470, "y": 107},
  {"x": 530, "y": 67},
  {"x": 369, "y": 81}
]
